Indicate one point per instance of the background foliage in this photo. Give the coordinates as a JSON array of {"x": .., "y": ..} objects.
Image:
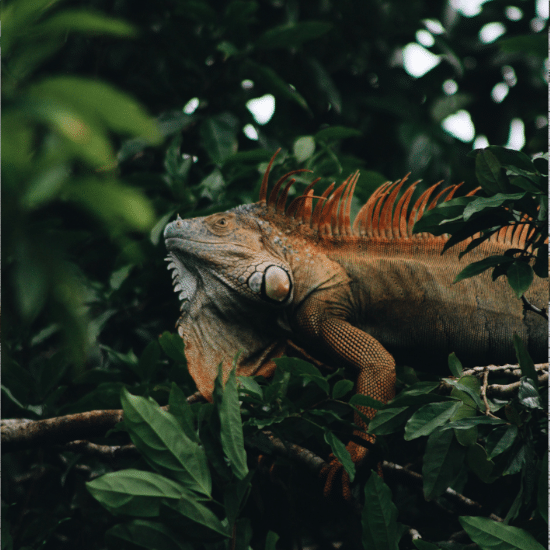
[{"x": 116, "y": 116}]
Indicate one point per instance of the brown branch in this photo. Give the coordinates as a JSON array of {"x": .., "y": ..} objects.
[{"x": 61, "y": 429}]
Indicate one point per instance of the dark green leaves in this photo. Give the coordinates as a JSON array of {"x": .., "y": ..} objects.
[
  {"x": 381, "y": 531},
  {"x": 231, "y": 426},
  {"x": 134, "y": 492},
  {"x": 491, "y": 535},
  {"x": 219, "y": 136},
  {"x": 164, "y": 445},
  {"x": 293, "y": 35}
]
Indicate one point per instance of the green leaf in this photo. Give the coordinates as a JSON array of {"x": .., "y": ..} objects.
[
  {"x": 468, "y": 390},
  {"x": 479, "y": 463},
  {"x": 528, "y": 394},
  {"x": 302, "y": 368},
  {"x": 172, "y": 344},
  {"x": 181, "y": 410},
  {"x": 334, "y": 133},
  {"x": 489, "y": 173},
  {"x": 500, "y": 439},
  {"x": 455, "y": 366},
  {"x": 293, "y": 35},
  {"x": 303, "y": 148},
  {"x": 116, "y": 205},
  {"x": 482, "y": 265},
  {"x": 231, "y": 426},
  {"x": 381, "y": 531},
  {"x": 134, "y": 492},
  {"x": 485, "y": 203},
  {"x": 442, "y": 462},
  {"x": 250, "y": 387},
  {"x": 164, "y": 445},
  {"x": 341, "y": 453},
  {"x": 389, "y": 420},
  {"x": 195, "y": 514},
  {"x": 100, "y": 101},
  {"x": 467, "y": 423},
  {"x": 361, "y": 400},
  {"x": 341, "y": 388},
  {"x": 212, "y": 185},
  {"x": 429, "y": 417},
  {"x": 85, "y": 21},
  {"x": 147, "y": 534},
  {"x": 520, "y": 277},
  {"x": 492, "y": 535},
  {"x": 525, "y": 362},
  {"x": 219, "y": 136}
]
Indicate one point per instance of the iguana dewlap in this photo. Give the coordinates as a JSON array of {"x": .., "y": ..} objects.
[{"x": 355, "y": 295}]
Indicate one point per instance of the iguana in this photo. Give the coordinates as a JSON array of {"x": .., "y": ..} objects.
[{"x": 361, "y": 295}]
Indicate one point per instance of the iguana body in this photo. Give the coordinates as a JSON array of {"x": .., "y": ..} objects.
[{"x": 255, "y": 276}]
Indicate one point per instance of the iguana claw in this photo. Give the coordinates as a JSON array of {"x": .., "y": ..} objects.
[{"x": 331, "y": 472}]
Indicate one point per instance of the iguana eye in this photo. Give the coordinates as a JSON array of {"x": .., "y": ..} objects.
[{"x": 220, "y": 224}]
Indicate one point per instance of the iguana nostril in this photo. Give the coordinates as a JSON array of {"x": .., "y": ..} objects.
[{"x": 277, "y": 283}]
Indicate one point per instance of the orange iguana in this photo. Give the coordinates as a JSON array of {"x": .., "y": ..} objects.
[{"x": 257, "y": 275}]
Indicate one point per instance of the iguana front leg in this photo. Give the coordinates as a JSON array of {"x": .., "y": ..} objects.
[{"x": 376, "y": 376}]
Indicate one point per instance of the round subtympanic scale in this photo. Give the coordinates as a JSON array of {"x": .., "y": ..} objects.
[{"x": 277, "y": 283}]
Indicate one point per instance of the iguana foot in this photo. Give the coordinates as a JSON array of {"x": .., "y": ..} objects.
[{"x": 333, "y": 471}]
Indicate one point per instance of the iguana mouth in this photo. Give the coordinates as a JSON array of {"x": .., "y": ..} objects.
[{"x": 183, "y": 280}]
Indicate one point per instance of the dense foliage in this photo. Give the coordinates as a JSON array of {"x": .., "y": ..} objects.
[{"x": 117, "y": 116}]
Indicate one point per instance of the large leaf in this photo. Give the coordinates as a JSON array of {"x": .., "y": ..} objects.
[
  {"x": 134, "y": 492},
  {"x": 492, "y": 535},
  {"x": 480, "y": 266},
  {"x": 520, "y": 276},
  {"x": 231, "y": 426},
  {"x": 500, "y": 440},
  {"x": 99, "y": 101},
  {"x": 379, "y": 517},
  {"x": 160, "y": 439},
  {"x": 489, "y": 173},
  {"x": 389, "y": 420},
  {"x": 429, "y": 417},
  {"x": 442, "y": 462},
  {"x": 75, "y": 20}
]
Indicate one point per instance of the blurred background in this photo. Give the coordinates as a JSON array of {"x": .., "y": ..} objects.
[{"x": 119, "y": 114}]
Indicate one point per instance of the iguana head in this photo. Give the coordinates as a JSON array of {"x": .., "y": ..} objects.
[
  {"x": 234, "y": 285},
  {"x": 232, "y": 251}
]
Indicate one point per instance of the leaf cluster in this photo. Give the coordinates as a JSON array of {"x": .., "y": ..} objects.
[{"x": 516, "y": 198}]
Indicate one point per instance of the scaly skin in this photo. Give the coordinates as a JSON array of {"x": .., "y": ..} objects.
[{"x": 255, "y": 276}]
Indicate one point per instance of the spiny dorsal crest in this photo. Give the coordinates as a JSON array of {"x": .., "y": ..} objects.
[{"x": 382, "y": 216}]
